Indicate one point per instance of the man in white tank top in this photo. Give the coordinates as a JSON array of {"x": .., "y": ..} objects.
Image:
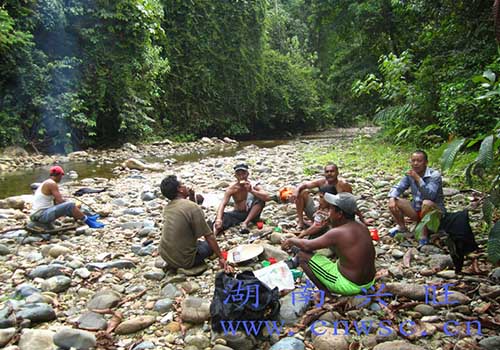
[{"x": 48, "y": 204}]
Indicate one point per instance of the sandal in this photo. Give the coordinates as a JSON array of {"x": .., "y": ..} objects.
[
  {"x": 395, "y": 230},
  {"x": 244, "y": 230}
]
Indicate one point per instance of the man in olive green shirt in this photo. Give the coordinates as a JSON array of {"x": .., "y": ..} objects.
[{"x": 183, "y": 224}]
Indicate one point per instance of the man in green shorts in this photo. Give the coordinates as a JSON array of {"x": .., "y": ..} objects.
[{"x": 352, "y": 243}]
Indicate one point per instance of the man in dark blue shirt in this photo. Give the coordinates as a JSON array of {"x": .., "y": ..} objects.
[{"x": 427, "y": 190}]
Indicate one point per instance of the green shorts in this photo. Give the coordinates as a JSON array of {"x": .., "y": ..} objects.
[{"x": 327, "y": 272}]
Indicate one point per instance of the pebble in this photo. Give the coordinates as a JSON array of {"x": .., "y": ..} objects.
[
  {"x": 115, "y": 258},
  {"x": 6, "y": 335},
  {"x": 92, "y": 321},
  {"x": 36, "y": 339},
  {"x": 104, "y": 299},
  {"x": 37, "y": 312},
  {"x": 288, "y": 343},
  {"x": 74, "y": 338},
  {"x": 135, "y": 324}
]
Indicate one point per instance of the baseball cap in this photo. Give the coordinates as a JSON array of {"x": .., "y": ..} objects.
[
  {"x": 241, "y": 166},
  {"x": 56, "y": 170},
  {"x": 344, "y": 200}
]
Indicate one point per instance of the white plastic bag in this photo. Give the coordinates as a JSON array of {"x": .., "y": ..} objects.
[{"x": 276, "y": 275}]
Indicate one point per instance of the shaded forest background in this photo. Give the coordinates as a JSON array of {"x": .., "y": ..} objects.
[{"x": 79, "y": 73}]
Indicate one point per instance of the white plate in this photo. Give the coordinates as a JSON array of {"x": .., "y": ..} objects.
[{"x": 247, "y": 252}]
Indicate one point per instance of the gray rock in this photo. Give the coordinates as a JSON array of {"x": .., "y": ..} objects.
[
  {"x": 193, "y": 271},
  {"x": 221, "y": 347},
  {"x": 132, "y": 225},
  {"x": 397, "y": 254},
  {"x": 397, "y": 345},
  {"x": 143, "y": 251},
  {"x": 135, "y": 324},
  {"x": 8, "y": 321},
  {"x": 37, "y": 312},
  {"x": 117, "y": 264},
  {"x": 134, "y": 211},
  {"x": 46, "y": 271},
  {"x": 56, "y": 284},
  {"x": 154, "y": 275},
  {"x": 25, "y": 290},
  {"x": 147, "y": 196},
  {"x": 412, "y": 291},
  {"x": 170, "y": 291},
  {"x": 291, "y": 310},
  {"x": 82, "y": 273},
  {"x": 441, "y": 262},
  {"x": 36, "y": 298},
  {"x": 495, "y": 275},
  {"x": 288, "y": 343},
  {"x": 6, "y": 335},
  {"x": 490, "y": 343},
  {"x": 36, "y": 339},
  {"x": 425, "y": 310},
  {"x": 16, "y": 202},
  {"x": 274, "y": 252},
  {"x": 92, "y": 321},
  {"x": 4, "y": 250},
  {"x": 198, "y": 340},
  {"x": 144, "y": 346},
  {"x": 240, "y": 341},
  {"x": 120, "y": 202},
  {"x": 104, "y": 299},
  {"x": 175, "y": 279},
  {"x": 74, "y": 338},
  {"x": 430, "y": 249},
  {"x": 195, "y": 310},
  {"x": 17, "y": 235},
  {"x": 58, "y": 250},
  {"x": 163, "y": 305},
  {"x": 328, "y": 341}
]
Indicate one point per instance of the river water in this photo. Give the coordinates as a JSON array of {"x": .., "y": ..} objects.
[{"x": 18, "y": 182}]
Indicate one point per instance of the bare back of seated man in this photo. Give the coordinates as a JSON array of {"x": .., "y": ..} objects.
[
  {"x": 249, "y": 200},
  {"x": 355, "y": 267}
]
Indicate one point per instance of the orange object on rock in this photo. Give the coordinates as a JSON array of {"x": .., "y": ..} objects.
[
  {"x": 374, "y": 234},
  {"x": 285, "y": 193}
]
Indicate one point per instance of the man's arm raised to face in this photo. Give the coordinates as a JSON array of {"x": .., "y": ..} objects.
[
  {"x": 260, "y": 193},
  {"x": 324, "y": 241},
  {"x": 305, "y": 185},
  {"x": 54, "y": 191}
]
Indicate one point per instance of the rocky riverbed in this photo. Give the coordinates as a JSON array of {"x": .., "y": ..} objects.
[{"x": 109, "y": 289}]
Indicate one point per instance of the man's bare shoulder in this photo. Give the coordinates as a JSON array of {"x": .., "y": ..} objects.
[
  {"x": 344, "y": 185},
  {"x": 233, "y": 188}
]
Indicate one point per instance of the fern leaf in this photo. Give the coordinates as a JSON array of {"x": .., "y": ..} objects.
[
  {"x": 431, "y": 220},
  {"x": 392, "y": 112},
  {"x": 494, "y": 244},
  {"x": 450, "y": 153},
  {"x": 488, "y": 210},
  {"x": 468, "y": 173},
  {"x": 485, "y": 156}
]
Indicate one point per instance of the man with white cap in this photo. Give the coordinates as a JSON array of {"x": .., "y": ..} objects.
[
  {"x": 352, "y": 243},
  {"x": 48, "y": 203}
]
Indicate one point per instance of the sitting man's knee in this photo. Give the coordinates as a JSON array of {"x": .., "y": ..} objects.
[{"x": 428, "y": 203}]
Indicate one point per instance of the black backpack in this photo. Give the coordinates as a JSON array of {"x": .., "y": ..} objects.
[{"x": 267, "y": 308}]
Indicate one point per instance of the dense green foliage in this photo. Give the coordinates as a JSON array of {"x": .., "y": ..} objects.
[{"x": 75, "y": 73}]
